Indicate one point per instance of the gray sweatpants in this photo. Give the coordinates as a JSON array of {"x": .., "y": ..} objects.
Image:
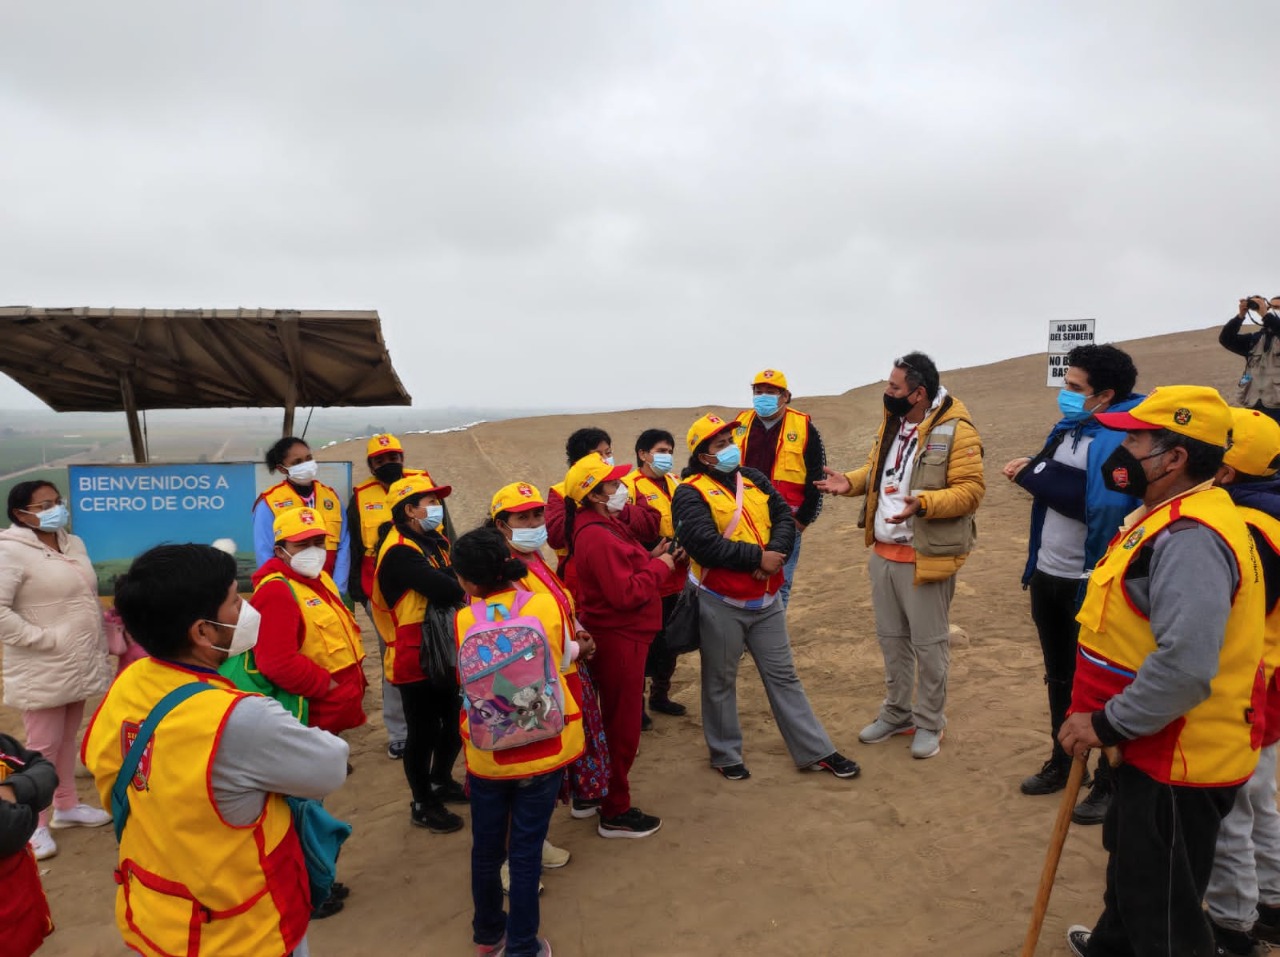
[
  {"x": 1246, "y": 861},
  {"x": 392, "y": 706},
  {"x": 914, "y": 633},
  {"x": 725, "y": 632}
]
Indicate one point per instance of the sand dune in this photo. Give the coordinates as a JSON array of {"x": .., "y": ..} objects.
[{"x": 936, "y": 858}]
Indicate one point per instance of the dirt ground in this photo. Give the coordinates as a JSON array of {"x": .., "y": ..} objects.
[{"x": 934, "y": 858}]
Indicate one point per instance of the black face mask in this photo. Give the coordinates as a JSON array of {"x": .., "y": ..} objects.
[
  {"x": 388, "y": 473},
  {"x": 1123, "y": 472},
  {"x": 898, "y": 405}
]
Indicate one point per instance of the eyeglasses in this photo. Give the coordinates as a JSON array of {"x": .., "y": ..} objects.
[{"x": 38, "y": 507}]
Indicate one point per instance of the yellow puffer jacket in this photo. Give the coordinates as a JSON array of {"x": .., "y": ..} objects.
[{"x": 963, "y": 493}]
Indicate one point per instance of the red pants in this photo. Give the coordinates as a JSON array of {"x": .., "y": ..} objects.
[{"x": 618, "y": 670}]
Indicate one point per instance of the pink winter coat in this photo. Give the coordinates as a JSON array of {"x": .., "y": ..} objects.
[{"x": 54, "y": 646}]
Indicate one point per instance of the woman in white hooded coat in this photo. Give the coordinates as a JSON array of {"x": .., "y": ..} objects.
[{"x": 54, "y": 646}]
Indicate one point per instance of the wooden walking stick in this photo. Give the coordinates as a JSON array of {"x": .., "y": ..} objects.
[{"x": 1056, "y": 840}]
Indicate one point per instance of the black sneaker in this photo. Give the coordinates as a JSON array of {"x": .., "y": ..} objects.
[
  {"x": 735, "y": 772},
  {"x": 1267, "y": 926},
  {"x": 837, "y": 764},
  {"x": 1093, "y": 809},
  {"x": 1051, "y": 778},
  {"x": 646, "y": 722},
  {"x": 339, "y": 891},
  {"x": 327, "y": 909},
  {"x": 582, "y": 809},
  {"x": 435, "y": 817},
  {"x": 667, "y": 706},
  {"x": 395, "y": 750},
  {"x": 1078, "y": 940},
  {"x": 632, "y": 823},
  {"x": 451, "y": 793},
  {"x": 1232, "y": 943}
]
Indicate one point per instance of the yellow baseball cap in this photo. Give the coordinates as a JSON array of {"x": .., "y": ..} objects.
[
  {"x": 516, "y": 497},
  {"x": 298, "y": 524},
  {"x": 415, "y": 485},
  {"x": 771, "y": 377},
  {"x": 1255, "y": 443},
  {"x": 382, "y": 443},
  {"x": 707, "y": 426},
  {"x": 588, "y": 472},
  {"x": 1195, "y": 411}
]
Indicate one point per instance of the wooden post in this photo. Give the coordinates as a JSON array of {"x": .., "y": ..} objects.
[{"x": 131, "y": 415}]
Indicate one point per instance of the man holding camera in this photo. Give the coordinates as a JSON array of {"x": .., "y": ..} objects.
[{"x": 1260, "y": 383}]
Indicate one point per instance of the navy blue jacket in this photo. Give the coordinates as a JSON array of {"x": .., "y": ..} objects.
[
  {"x": 1265, "y": 497},
  {"x": 1104, "y": 509}
]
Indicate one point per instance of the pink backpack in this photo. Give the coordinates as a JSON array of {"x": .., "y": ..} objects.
[{"x": 509, "y": 677}]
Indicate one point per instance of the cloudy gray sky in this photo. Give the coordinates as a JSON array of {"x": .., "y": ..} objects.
[{"x": 619, "y": 204}]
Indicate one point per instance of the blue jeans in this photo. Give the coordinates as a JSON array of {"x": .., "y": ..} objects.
[
  {"x": 522, "y": 808},
  {"x": 789, "y": 570}
]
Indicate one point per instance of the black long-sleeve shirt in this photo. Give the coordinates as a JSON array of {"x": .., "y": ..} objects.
[
  {"x": 428, "y": 572},
  {"x": 1242, "y": 343},
  {"x": 33, "y": 781}
]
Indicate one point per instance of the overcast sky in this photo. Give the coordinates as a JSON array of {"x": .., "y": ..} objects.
[{"x": 622, "y": 204}]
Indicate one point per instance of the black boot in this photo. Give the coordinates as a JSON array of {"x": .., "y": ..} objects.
[
  {"x": 1050, "y": 778},
  {"x": 1233, "y": 942},
  {"x": 1093, "y": 809},
  {"x": 1267, "y": 926}
]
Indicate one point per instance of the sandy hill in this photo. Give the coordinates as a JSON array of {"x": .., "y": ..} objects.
[{"x": 938, "y": 857}]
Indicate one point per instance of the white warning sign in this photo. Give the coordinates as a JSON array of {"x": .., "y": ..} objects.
[{"x": 1065, "y": 335}]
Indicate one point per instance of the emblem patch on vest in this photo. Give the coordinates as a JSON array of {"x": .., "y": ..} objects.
[
  {"x": 328, "y": 503},
  {"x": 793, "y": 436},
  {"x": 129, "y": 734},
  {"x": 1134, "y": 537},
  {"x": 373, "y": 507},
  {"x": 1182, "y": 416}
]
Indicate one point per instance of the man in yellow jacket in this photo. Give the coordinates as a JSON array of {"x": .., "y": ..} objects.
[
  {"x": 923, "y": 482},
  {"x": 1170, "y": 669}
]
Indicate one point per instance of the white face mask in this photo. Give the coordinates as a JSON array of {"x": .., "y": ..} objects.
[
  {"x": 304, "y": 473},
  {"x": 309, "y": 562},
  {"x": 618, "y": 500},
  {"x": 245, "y": 633},
  {"x": 528, "y": 539}
]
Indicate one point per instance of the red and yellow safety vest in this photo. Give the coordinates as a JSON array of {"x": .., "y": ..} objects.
[
  {"x": 789, "y": 475},
  {"x": 401, "y": 626},
  {"x": 1268, "y": 529},
  {"x": 370, "y": 498},
  {"x": 754, "y": 526},
  {"x": 1216, "y": 742},
  {"x": 541, "y": 757},
  {"x": 325, "y": 501},
  {"x": 190, "y": 883},
  {"x": 332, "y": 637}
]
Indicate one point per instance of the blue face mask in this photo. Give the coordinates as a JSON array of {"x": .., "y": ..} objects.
[
  {"x": 662, "y": 462},
  {"x": 529, "y": 539},
  {"x": 52, "y": 519},
  {"x": 728, "y": 458},
  {"x": 766, "y": 406},
  {"x": 432, "y": 520},
  {"x": 1071, "y": 405}
]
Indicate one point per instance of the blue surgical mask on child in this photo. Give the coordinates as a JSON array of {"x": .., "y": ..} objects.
[
  {"x": 431, "y": 521},
  {"x": 529, "y": 539},
  {"x": 728, "y": 458},
  {"x": 662, "y": 462},
  {"x": 766, "y": 406},
  {"x": 1071, "y": 405}
]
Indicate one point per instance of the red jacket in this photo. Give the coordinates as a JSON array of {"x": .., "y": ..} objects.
[
  {"x": 614, "y": 581},
  {"x": 640, "y": 519},
  {"x": 280, "y": 661}
]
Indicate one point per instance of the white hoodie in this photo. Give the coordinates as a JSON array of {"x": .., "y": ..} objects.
[{"x": 54, "y": 645}]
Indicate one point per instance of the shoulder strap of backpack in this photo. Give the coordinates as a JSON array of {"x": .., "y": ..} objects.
[{"x": 120, "y": 791}]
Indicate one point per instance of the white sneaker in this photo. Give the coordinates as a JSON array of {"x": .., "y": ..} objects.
[
  {"x": 82, "y": 815},
  {"x": 42, "y": 844},
  {"x": 553, "y": 857}
]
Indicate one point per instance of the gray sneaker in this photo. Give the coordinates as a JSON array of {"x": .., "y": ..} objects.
[
  {"x": 926, "y": 743},
  {"x": 880, "y": 730}
]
